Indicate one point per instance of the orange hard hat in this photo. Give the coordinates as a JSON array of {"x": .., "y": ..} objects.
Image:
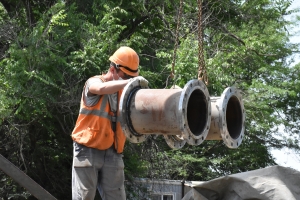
[{"x": 128, "y": 60}]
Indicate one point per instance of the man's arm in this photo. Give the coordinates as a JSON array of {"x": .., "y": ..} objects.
[{"x": 109, "y": 87}]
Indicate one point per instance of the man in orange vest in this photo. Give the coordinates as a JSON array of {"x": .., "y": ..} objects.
[{"x": 98, "y": 137}]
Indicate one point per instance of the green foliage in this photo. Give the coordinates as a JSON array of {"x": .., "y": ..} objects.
[{"x": 3, "y": 13}]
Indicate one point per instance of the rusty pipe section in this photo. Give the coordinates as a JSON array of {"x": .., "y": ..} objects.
[
  {"x": 181, "y": 115},
  {"x": 227, "y": 118}
]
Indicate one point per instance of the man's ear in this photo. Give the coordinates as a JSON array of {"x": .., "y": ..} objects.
[{"x": 111, "y": 69}]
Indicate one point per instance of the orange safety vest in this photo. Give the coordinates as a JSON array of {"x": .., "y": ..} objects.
[{"x": 93, "y": 126}]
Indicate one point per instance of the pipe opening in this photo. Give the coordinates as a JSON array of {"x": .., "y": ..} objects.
[
  {"x": 197, "y": 112},
  {"x": 234, "y": 117}
]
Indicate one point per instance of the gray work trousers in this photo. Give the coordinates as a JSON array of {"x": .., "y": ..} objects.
[{"x": 101, "y": 169}]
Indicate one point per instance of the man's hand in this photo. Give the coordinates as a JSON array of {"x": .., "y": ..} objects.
[{"x": 143, "y": 82}]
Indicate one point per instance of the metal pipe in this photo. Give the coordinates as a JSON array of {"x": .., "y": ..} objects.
[
  {"x": 154, "y": 111},
  {"x": 227, "y": 118},
  {"x": 187, "y": 115},
  {"x": 181, "y": 115}
]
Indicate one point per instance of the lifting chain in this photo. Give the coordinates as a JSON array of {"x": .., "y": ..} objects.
[
  {"x": 176, "y": 39},
  {"x": 202, "y": 75}
]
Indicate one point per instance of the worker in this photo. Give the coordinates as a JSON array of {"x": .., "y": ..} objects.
[{"x": 98, "y": 137}]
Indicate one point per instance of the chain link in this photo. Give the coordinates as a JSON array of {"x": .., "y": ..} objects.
[
  {"x": 176, "y": 39},
  {"x": 202, "y": 74}
]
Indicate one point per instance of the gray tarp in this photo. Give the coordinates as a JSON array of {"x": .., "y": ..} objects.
[{"x": 274, "y": 183}]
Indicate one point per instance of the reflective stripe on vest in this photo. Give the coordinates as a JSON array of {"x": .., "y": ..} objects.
[{"x": 97, "y": 113}]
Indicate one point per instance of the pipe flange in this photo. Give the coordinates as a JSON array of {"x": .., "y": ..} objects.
[
  {"x": 175, "y": 141},
  {"x": 129, "y": 90},
  {"x": 196, "y": 87},
  {"x": 232, "y": 124}
]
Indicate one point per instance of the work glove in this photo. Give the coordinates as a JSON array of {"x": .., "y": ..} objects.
[{"x": 143, "y": 82}]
